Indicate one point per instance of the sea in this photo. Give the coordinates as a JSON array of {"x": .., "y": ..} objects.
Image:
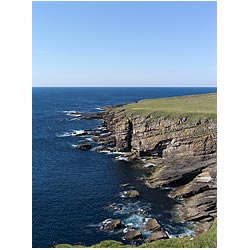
[{"x": 74, "y": 191}]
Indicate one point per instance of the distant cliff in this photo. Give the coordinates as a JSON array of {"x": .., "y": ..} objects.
[{"x": 179, "y": 137}]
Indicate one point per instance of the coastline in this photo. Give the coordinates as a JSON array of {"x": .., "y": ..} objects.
[{"x": 180, "y": 151}]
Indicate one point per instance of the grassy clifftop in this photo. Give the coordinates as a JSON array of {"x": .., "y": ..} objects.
[{"x": 192, "y": 105}]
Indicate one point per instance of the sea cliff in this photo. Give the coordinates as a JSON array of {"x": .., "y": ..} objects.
[{"x": 177, "y": 138}]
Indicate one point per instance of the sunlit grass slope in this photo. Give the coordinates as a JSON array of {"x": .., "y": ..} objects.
[{"x": 202, "y": 105}]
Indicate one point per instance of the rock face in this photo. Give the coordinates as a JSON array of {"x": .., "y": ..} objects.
[
  {"x": 152, "y": 225},
  {"x": 157, "y": 236},
  {"x": 184, "y": 150},
  {"x": 133, "y": 234},
  {"x": 111, "y": 225}
]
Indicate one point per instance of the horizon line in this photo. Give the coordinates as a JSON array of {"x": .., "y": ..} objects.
[{"x": 124, "y": 86}]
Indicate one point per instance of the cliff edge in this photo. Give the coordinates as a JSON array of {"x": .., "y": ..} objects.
[{"x": 177, "y": 137}]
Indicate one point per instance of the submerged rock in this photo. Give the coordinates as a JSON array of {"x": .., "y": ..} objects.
[
  {"x": 83, "y": 146},
  {"x": 111, "y": 225},
  {"x": 142, "y": 211},
  {"x": 151, "y": 224}
]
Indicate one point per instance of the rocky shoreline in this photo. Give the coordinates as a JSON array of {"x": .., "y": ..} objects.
[{"x": 180, "y": 153}]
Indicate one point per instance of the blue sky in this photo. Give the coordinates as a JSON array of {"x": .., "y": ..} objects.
[{"x": 124, "y": 44}]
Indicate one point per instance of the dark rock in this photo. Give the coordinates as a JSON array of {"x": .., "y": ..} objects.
[
  {"x": 80, "y": 134},
  {"x": 101, "y": 148},
  {"x": 151, "y": 224},
  {"x": 83, "y": 146},
  {"x": 106, "y": 139},
  {"x": 142, "y": 211},
  {"x": 133, "y": 156},
  {"x": 157, "y": 236},
  {"x": 131, "y": 193},
  {"x": 178, "y": 172},
  {"x": 199, "y": 184},
  {"x": 94, "y": 116},
  {"x": 133, "y": 234},
  {"x": 111, "y": 225},
  {"x": 199, "y": 207}
]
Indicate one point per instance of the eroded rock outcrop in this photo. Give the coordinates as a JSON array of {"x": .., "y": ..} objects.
[
  {"x": 110, "y": 225},
  {"x": 133, "y": 234},
  {"x": 152, "y": 225},
  {"x": 182, "y": 151},
  {"x": 157, "y": 236}
]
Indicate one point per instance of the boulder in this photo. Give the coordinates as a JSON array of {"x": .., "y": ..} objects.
[
  {"x": 157, "y": 236},
  {"x": 151, "y": 224},
  {"x": 111, "y": 225},
  {"x": 133, "y": 234},
  {"x": 84, "y": 146},
  {"x": 131, "y": 193}
]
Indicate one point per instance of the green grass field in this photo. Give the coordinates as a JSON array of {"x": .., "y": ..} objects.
[{"x": 192, "y": 105}]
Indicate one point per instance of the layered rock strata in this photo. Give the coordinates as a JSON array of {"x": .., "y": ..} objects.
[{"x": 184, "y": 151}]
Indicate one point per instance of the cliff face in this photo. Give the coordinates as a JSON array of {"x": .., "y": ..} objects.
[{"x": 184, "y": 150}]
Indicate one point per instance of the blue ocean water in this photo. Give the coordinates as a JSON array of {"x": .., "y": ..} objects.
[{"x": 71, "y": 189}]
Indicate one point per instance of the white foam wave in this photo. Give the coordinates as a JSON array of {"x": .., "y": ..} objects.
[
  {"x": 108, "y": 133},
  {"x": 171, "y": 230},
  {"x": 72, "y": 113},
  {"x": 73, "y": 119},
  {"x": 72, "y": 133},
  {"x": 88, "y": 139},
  {"x": 67, "y": 111},
  {"x": 99, "y": 109},
  {"x": 133, "y": 207},
  {"x": 148, "y": 164},
  {"x": 167, "y": 188},
  {"x": 135, "y": 221},
  {"x": 114, "y": 152},
  {"x": 66, "y": 134},
  {"x": 121, "y": 158}
]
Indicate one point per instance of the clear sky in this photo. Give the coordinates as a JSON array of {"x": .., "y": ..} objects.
[{"x": 124, "y": 43}]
